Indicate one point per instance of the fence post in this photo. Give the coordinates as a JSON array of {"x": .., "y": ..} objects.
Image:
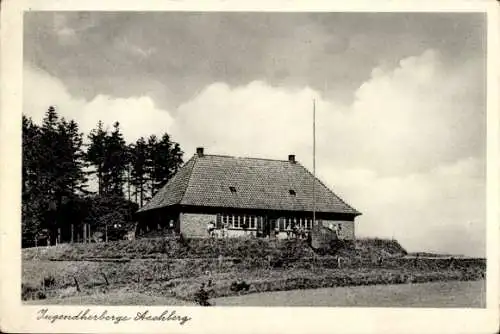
[
  {"x": 84, "y": 233},
  {"x": 77, "y": 285},
  {"x": 105, "y": 278}
]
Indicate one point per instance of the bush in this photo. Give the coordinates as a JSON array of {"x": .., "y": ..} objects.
[
  {"x": 30, "y": 292},
  {"x": 49, "y": 281},
  {"x": 237, "y": 286}
]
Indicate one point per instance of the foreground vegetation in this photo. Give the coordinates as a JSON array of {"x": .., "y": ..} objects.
[{"x": 176, "y": 268}]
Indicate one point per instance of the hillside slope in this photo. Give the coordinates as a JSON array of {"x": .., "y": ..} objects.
[{"x": 209, "y": 248}]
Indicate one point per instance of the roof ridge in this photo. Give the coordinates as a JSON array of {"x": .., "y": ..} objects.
[
  {"x": 241, "y": 157},
  {"x": 328, "y": 188}
]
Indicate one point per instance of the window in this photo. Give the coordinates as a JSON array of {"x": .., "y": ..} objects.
[
  {"x": 232, "y": 189},
  {"x": 260, "y": 223},
  {"x": 308, "y": 223},
  {"x": 252, "y": 222},
  {"x": 239, "y": 221},
  {"x": 292, "y": 192}
]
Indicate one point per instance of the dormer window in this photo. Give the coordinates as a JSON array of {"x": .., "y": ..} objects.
[
  {"x": 292, "y": 192},
  {"x": 232, "y": 189}
]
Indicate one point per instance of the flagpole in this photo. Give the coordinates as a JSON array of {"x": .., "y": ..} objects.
[{"x": 314, "y": 162}]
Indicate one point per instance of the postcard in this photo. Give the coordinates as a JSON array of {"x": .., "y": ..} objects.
[{"x": 246, "y": 167}]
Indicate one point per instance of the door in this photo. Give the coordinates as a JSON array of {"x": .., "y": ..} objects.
[{"x": 272, "y": 227}]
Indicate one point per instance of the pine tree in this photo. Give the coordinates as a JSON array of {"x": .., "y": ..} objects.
[
  {"x": 54, "y": 180},
  {"x": 30, "y": 211},
  {"x": 165, "y": 159},
  {"x": 151, "y": 164},
  {"x": 138, "y": 158},
  {"x": 116, "y": 160},
  {"x": 78, "y": 164},
  {"x": 96, "y": 155}
]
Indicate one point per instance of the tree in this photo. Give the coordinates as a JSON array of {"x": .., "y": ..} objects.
[
  {"x": 116, "y": 160},
  {"x": 52, "y": 171},
  {"x": 138, "y": 157},
  {"x": 96, "y": 154},
  {"x": 30, "y": 140},
  {"x": 70, "y": 177},
  {"x": 54, "y": 184},
  {"x": 111, "y": 215},
  {"x": 107, "y": 152},
  {"x": 78, "y": 177},
  {"x": 151, "y": 163},
  {"x": 30, "y": 211},
  {"x": 165, "y": 158}
]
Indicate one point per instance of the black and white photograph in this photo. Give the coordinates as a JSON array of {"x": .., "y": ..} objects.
[{"x": 233, "y": 159}]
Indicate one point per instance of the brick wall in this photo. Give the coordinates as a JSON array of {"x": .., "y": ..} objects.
[
  {"x": 345, "y": 230},
  {"x": 195, "y": 224}
]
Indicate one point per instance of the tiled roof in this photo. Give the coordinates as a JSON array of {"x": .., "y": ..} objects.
[
  {"x": 172, "y": 192},
  {"x": 258, "y": 184}
]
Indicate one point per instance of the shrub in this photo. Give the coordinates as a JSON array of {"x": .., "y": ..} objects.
[
  {"x": 49, "y": 281},
  {"x": 30, "y": 292},
  {"x": 237, "y": 286}
]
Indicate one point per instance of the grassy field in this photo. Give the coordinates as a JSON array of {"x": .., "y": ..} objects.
[
  {"x": 434, "y": 294},
  {"x": 172, "y": 271}
]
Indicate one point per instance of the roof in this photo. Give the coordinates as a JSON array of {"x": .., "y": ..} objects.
[{"x": 207, "y": 180}]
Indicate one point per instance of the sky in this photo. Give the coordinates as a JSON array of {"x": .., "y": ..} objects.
[{"x": 400, "y": 101}]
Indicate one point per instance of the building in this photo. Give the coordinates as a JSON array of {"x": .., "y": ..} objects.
[{"x": 243, "y": 196}]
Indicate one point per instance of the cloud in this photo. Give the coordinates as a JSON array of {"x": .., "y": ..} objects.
[
  {"x": 442, "y": 210},
  {"x": 61, "y": 28},
  {"x": 254, "y": 120},
  {"x": 408, "y": 152},
  {"x": 408, "y": 119},
  {"x": 138, "y": 116},
  {"x": 67, "y": 27},
  {"x": 124, "y": 45}
]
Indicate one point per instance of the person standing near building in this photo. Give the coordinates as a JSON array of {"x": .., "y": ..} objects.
[
  {"x": 294, "y": 230},
  {"x": 210, "y": 228},
  {"x": 288, "y": 230}
]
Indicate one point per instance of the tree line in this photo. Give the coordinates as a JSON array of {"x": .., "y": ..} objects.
[{"x": 72, "y": 182}]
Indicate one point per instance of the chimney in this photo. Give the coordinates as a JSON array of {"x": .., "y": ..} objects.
[
  {"x": 199, "y": 151},
  {"x": 291, "y": 158}
]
